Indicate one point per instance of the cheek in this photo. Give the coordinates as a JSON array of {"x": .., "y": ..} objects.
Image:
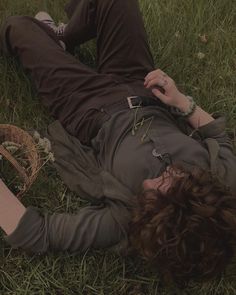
[
  {"x": 151, "y": 183},
  {"x": 157, "y": 183},
  {"x": 147, "y": 184}
]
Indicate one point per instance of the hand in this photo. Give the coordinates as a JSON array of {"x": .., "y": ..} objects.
[{"x": 171, "y": 96}]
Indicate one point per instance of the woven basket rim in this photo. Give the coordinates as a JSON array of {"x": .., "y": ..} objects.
[{"x": 17, "y": 135}]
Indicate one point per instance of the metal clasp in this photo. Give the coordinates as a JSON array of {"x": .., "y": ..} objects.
[
  {"x": 131, "y": 106},
  {"x": 157, "y": 155}
]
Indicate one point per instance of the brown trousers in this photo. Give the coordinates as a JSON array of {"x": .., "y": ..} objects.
[{"x": 75, "y": 94}]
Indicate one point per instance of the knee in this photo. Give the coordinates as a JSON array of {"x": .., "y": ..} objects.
[
  {"x": 13, "y": 26},
  {"x": 17, "y": 22}
]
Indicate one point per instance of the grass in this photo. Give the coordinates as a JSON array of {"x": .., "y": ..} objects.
[{"x": 176, "y": 30}]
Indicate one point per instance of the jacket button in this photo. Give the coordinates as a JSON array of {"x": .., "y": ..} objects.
[{"x": 155, "y": 153}]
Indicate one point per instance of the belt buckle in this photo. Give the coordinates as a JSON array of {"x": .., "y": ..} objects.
[{"x": 131, "y": 106}]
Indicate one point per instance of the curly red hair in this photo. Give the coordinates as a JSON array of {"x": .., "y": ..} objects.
[{"x": 188, "y": 232}]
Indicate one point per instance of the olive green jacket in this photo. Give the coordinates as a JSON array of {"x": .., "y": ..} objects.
[{"x": 85, "y": 170}]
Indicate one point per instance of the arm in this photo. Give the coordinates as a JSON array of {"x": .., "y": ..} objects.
[
  {"x": 11, "y": 209},
  {"x": 92, "y": 227},
  {"x": 221, "y": 156},
  {"x": 173, "y": 97},
  {"x": 199, "y": 117}
]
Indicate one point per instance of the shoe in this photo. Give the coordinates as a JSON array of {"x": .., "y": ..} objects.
[{"x": 45, "y": 18}]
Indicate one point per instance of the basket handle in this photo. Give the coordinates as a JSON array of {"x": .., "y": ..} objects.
[{"x": 13, "y": 161}]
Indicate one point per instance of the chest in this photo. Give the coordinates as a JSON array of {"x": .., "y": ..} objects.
[{"x": 140, "y": 157}]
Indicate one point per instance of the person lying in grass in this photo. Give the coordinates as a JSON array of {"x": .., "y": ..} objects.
[{"x": 158, "y": 170}]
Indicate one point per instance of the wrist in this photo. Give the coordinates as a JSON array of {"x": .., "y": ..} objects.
[
  {"x": 183, "y": 103},
  {"x": 11, "y": 209},
  {"x": 185, "y": 108}
]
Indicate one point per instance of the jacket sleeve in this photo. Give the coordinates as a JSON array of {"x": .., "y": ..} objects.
[
  {"x": 92, "y": 227},
  {"x": 220, "y": 147}
]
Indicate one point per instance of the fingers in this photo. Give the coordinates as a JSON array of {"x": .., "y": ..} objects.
[
  {"x": 156, "y": 81},
  {"x": 159, "y": 94},
  {"x": 156, "y": 73},
  {"x": 157, "y": 77}
]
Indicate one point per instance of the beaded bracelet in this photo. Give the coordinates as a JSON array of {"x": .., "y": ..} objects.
[{"x": 192, "y": 108}]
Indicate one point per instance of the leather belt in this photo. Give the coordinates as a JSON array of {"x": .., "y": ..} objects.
[
  {"x": 133, "y": 102},
  {"x": 128, "y": 103}
]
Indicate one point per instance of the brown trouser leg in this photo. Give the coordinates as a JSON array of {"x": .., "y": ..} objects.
[
  {"x": 73, "y": 92},
  {"x": 122, "y": 46}
]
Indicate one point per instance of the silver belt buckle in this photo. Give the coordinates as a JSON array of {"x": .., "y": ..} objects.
[{"x": 131, "y": 106}]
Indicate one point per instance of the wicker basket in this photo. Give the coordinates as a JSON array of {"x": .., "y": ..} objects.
[{"x": 14, "y": 134}]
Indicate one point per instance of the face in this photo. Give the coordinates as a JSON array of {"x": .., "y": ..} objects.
[{"x": 162, "y": 182}]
